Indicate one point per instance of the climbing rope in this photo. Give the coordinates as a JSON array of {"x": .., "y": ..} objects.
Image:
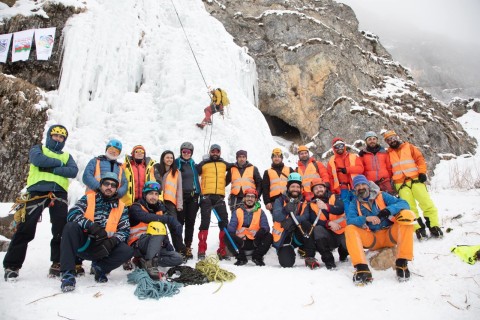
[
  {"x": 210, "y": 268},
  {"x": 148, "y": 288},
  {"x": 186, "y": 275}
]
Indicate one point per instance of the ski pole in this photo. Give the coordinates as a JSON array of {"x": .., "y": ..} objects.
[{"x": 226, "y": 232}]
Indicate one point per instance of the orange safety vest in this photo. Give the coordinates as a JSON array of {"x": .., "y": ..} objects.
[
  {"x": 251, "y": 231},
  {"x": 113, "y": 217},
  {"x": 338, "y": 218},
  {"x": 277, "y": 228},
  {"x": 336, "y": 183},
  {"x": 308, "y": 175},
  {"x": 403, "y": 166},
  {"x": 139, "y": 229},
  {"x": 278, "y": 184},
  {"x": 170, "y": 188},
  {"x": 240, "y": 182},
  {"x": 98, "y": 176}
]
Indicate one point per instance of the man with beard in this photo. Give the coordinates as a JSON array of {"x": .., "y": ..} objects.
[
  {"x": 249, "y": 229},
  {"x": 377, "y": 220},
  {"x": 102, "y": 164},
  {"x": 291, "y": 225},
  {"x": 409, "y": 176},
  {"x": 376, "y": 163},
  {"x": 274, "y": 181},
  {"x": 330, "y": 222},
  {"x": 213, "y": 172},
  {"x": 97, "y": 230},
  {"x": 243, "y": 175},
  {"x": 148, "y": 235},
  {"x": 309, "y": 169}
]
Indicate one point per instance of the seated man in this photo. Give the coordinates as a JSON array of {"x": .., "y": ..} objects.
[
  {"x": 148, "y": 235},
  {"x": 377, "y": 220},
  {"x": 97, "y": 230},
  {"x": 249, "y": 230},
  {"x": 291, "y": 226}
]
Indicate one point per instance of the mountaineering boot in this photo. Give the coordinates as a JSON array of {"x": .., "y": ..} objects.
[
  {"x": 403, "y": 274},
  {"x": 436, "y": 232},
  {"x": 222, "y": 248},
  {"x": 203, "y": 124},
  {"x": 68, "y": 281},
  {"x": 79, "y": 271},
  {"x": 54, "y": 270},
  {"x": 188, "y": 253},
  {"x": 241, "y": 259},
  {"x": 312, "y": 263},
  {"x": 421, "y": 234},
  {"x": 152, "y": 269},
  {"x": 258, "y": 261},
  {"x": 202, "y": 244},
  {"x": 362, "y": 275},
  {"x": 11, "y": 274},
  {"x": 127, "y": 266},
  {"x": 100, "y": 275},
  {"x": 328, "y": 259}
]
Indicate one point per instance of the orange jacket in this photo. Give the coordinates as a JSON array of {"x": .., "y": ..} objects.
[
  {"x": 407, "y": 162},
  {"x": 351, "y": 162},
  {"x": 376, "y": 166},
  {"x": 310, "y": 172}
]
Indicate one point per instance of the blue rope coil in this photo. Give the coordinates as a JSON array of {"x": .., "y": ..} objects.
[{"x": 148, "y": 288}]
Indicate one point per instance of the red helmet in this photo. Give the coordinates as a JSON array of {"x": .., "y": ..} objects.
[
  {"x": 251, "y": 191},
  {"x": 316, "y": 182}
]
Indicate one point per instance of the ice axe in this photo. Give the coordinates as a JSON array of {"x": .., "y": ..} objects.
[{"x": 226, "y": 232}]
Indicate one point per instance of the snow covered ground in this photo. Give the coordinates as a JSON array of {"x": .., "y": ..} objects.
[{"x": 128, "y": 73}]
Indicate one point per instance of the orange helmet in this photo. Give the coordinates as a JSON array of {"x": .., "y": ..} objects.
[
  {"x": 251, "y": 191},
  {"x": 316, "y": 182}
]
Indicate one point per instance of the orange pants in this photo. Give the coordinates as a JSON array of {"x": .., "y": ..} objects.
[{"x": 398, "y": 234}]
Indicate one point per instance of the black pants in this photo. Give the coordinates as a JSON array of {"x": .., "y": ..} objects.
[
  {"x": 296, "y": 238},
  {"x": 209, "y": 202},
  {"x": 177, "y": 240},
  {"x": 260, "y": 245},
  {"x": 74, "y": 238},
  {"x": 188, "y": 215},
  {"x": 150, "y": 246},
  {"x": 326, "y": 241},
  {"x": 17, "y": 250}
]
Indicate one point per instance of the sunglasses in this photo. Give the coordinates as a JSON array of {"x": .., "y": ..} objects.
[
  {"x": 139, "y": 151},
  {"x": 250, "y": 196},
  {"x": 186, "y": 151},
  {"x": 152, "y": 185},
  {"x": 390, "y": 139},
  {"x": 113, "y": 151},
  {"x": 339, "y": 146},
  {"x": 110, "y": 184}
]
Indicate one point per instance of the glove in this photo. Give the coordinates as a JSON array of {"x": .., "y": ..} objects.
[
  {"x": 103, "y": 249},
  {"x": 97, "y": 233},
  {"x": 422, "y": 177},
  {"x": 361, "y": 153},
  {"x": 43, "y": 169},
  {"x": 291, "y": 207},
  {"x": 288, "y": 225},
  {"x": 342, "y": 170},
  {"x": 384, "y": 213}
]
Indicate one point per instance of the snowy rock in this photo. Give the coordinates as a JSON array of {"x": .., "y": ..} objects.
[{"x": 383, "y": 259}]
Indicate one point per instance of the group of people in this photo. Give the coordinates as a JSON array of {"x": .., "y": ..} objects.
[{"x": 355, "y": 202}]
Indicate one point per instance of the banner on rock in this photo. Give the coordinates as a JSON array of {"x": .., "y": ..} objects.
[
  {"x": 44, "y": 39},
  {"x": 22, "y": 44},
  {"x": 4, "y": 46}
]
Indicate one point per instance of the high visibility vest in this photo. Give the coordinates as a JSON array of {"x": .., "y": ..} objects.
[
  {"x": 336, "y": 183},
  {"x": 98, "y": 176},
  {"x": 378, "y": 201},
  {"x": 403, "y": 166},
  {"x": 35, "y": 175},
  {"x": 277, "y": 229},
  {"x": 130, "y": 196},
  {"x": 170, "y": 187},
  {"x": 113, "y": 217},
  {"x": 338, "y": 218},
  {"x": 240, "y": 182},
  {"x": 139, "y": 229},
  {"x": 278, "y": 184},
  {"x": 251, "y": 231},
  {"x": 308, "y": 175}
]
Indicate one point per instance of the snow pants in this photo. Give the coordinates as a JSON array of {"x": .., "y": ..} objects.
[{"x": 151, "y": 246}]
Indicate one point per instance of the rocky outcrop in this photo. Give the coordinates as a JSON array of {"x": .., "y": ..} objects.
[
  {"x": 318, "y": 73},
  {"x": 459, "y": 106}
]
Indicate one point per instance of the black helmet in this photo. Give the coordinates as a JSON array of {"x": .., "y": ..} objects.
[{"x": 186, "y": 145}]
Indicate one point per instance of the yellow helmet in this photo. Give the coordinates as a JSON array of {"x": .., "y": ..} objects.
[
  {"x": 156, "y": 228},
  {"x": 59, "y": 130},
  {"x": 277, "y": 152}
]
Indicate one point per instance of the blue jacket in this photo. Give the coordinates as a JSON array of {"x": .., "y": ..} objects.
[
  {"x": 280, "y": 212},
  {"x": 38, "y": 159},
  {"x": 247, "y": 220},
  {"x": 103, "y": 206},
  {"x": 196, "y": 183},
  {"x": 393, "y": 204},
  {"x": 106, "y": 165}
]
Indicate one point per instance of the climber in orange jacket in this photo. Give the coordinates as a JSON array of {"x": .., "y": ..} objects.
[{"x": 309, "y": 169}]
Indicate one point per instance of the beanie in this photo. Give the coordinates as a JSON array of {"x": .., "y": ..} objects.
[
  {"x": 241, "y": 153},
  {"x": 370, "y": 134},
  {"x": 359, "y": 179},
  {"x": 138, "y": 147},
  {"x": 215, "y": 146},
  {"x": 337, "y": 140}
]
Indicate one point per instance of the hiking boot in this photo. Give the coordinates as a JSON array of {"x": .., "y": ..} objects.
[
  {"x": 330, "y": 265},
  {"x": 241, "y": 262},
  {"x": 11, "y": 274},
  {"x": 151, "y": 267},
  {"x": 362, "y": 275},
  {"x": 188, "y": 253},
  {"x": 100, "y": 275},
  {"x": 436, "y": 232},
  {"x": 301, "y": 253},
  {"x": 201, "y": 256},
  {"x": 258, "y": 261},
  {"x": 68, "y": 281},
  {"x": 127, "y": 266},
  {"x": 79, "y": 271},
  {"x": 54, "y": 270},
  {"x": 401, "y": 267},
  {"x": 136, "y": 262},
  {"x": 421, "y": 234},
  {"x": 312, "y": 263}
]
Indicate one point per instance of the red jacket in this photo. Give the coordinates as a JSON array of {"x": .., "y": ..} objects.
[
  {"x": 344, "y": 180},
  {"x": 377, "y": 166}
]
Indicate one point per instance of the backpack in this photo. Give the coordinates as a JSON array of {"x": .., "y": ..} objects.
[{"x": 219, "y": 97}]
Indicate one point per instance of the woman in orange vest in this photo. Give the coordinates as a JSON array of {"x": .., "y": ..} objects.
[{"x": 167, "y": 172}]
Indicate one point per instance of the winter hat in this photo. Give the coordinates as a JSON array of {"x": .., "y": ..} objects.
[
  {"x": 389, "y": 134},
  {"x": 215, "y": 146},
  {"x": 138, "y": 147},
  {"x": 241, "y": 153},
  {"x": 52, "y": 144},
  {"x": 359, "y": 179},
  {"x": 337, "y": 140},
  {"x": 370, "y": 134},
  {"x": 302, "y": 148},
  {"x": 286, "y": 256},
  {"x": 277, "y": 152}
]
